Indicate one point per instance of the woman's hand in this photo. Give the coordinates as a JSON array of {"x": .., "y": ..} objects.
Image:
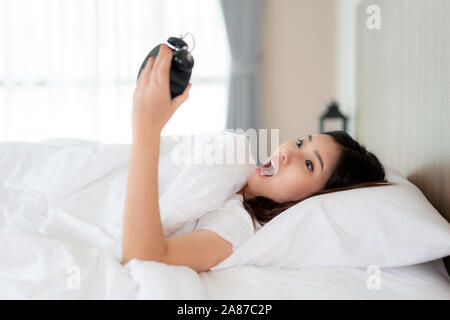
[{"x": 152, "y": 104}]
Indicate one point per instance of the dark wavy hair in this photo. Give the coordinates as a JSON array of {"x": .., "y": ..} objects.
[{"x": 356, "y": 168}]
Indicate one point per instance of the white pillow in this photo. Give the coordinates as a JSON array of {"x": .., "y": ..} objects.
[
  {"x": 198, "y": 173},
  {"x": 386, "y": 226}
]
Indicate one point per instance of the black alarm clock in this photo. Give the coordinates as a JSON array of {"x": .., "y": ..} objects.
[{"x": 181, "y": 66}]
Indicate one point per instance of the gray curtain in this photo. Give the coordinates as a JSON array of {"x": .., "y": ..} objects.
[{"x": 243, "y": 25}]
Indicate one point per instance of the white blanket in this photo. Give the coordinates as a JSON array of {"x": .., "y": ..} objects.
[{"x": 61, "y": 211}]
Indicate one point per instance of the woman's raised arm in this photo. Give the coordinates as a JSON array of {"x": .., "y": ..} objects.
[{"x": 143, "y": 236}]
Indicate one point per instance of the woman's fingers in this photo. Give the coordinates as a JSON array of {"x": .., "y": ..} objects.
[
  {"x": 163, "y": 70},
  {"x": 145, "y": 74},
  {"x": 158, "y": 60}
]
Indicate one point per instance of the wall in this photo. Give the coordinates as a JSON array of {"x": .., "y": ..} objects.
[
  {"x": 403, "y": 92},
  {"x": 298, "y": 66}
]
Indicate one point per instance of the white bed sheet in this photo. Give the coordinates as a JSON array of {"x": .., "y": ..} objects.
[
  {"x": 33, "y": 266},
  {"x": 36, "y": 267},
  {"x": 422, "y": 281}
]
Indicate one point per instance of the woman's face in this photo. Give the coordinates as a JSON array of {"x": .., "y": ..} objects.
[{"x": 301, "y": 168}]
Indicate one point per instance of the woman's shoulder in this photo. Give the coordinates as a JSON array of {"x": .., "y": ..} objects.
[{"x": 232, "y": 221}]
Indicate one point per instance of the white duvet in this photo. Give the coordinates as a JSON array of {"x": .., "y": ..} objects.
[
  {"x": 61, "y": 210},
  {"x": 61, "y": 207}
]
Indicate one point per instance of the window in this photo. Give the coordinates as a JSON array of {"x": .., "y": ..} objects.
[{"x": 68, "y": 68}]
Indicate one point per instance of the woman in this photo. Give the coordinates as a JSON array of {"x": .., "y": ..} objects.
[{"x": 301, "y": 169}]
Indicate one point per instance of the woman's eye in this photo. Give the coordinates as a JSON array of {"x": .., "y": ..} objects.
[
  {"x": 308, "y": 163},
  {"x": 311, "y": 168}
]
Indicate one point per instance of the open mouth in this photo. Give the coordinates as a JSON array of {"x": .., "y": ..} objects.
[{"x": 267, "y": 169}]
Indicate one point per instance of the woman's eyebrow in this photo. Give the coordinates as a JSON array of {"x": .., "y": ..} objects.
[{"x": 317, "y": 153}]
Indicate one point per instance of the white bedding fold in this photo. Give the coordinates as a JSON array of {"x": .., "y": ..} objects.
[{"x": 61, "y": 205}]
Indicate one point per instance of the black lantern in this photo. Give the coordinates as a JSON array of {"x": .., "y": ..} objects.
[{"x": 333, "y": 119}]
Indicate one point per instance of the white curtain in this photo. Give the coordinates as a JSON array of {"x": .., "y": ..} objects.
[{"x": 68, "y": 68}]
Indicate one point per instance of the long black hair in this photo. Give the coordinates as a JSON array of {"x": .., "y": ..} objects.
[{"x": 356, "y": 168}]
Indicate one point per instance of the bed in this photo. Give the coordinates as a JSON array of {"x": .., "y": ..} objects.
[
  {"x": 60, "y": 234},
  {"x": 60, "y": 209}
]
